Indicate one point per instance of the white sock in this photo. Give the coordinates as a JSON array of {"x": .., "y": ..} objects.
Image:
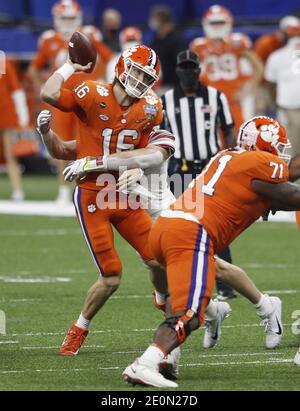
[
  {"x": 211, "y": 311},
  {"x": 264, "y": 307},
  {"x": 160, "y": 298},
  {"x": 82, "y": 322},
  {"x": 152, "y": 357}
]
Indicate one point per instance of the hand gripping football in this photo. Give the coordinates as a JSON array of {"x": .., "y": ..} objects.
[{"x": 82, "y": 51}]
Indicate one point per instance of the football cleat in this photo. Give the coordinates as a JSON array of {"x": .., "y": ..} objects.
[
  {"x": 212, "y": 333},
  {"x": 73, "y": 340},
  {"x": 297, "y": 358},
  {"x": 273, "y": 324},
  {"x": 141, "y": 374},
  {"x": 169, "y": 366}
]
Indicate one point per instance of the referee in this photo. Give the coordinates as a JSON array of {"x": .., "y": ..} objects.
[{"x": 201, "y": 121}]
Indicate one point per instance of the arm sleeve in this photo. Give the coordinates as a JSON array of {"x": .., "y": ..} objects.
[
  {"x": 224, "y": 112},
  {"x": 163, "y": 139}
]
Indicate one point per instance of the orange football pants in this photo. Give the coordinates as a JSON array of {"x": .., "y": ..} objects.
[
  {"x": 96, "y": 224},
  {"x": 185, "y": 249}
]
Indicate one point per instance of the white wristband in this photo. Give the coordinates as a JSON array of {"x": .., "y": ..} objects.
[{"x": 66, "y": 71}]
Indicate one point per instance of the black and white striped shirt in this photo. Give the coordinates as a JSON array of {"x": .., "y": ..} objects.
[{"x": 196, "y": 121}]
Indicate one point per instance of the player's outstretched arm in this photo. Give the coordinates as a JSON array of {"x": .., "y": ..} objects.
[
  {"x": 57, "y": 148},
  {"x": 143, "y": 158},
  {"x": 284, "y": 196}
]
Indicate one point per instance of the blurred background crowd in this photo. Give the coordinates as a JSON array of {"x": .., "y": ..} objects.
[{"x": 258, "y": 69}]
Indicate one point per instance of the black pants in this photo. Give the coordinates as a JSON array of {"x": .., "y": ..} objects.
[{"x": 187, "y": 171}]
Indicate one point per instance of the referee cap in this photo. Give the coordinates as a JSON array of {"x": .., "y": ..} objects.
[{"x": 187, "y": 56}]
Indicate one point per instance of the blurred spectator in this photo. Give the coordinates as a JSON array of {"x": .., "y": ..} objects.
[
  {"x": 228, "y": 63},
  {"x": 14, "y": 116},
  {"x": 129, "y": 37},
  {"x": 167, "y": 43},
  {"x": 282, "y": 72},
  {"x": 53, "y": 51},
  {"x": 111, "y": 25},
  {"x": 266, "y": 44}
]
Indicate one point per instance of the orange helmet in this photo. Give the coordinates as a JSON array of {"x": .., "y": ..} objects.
[
  {"x": 217, "y": 22},
  {"x": 67, "y": 17},
  {"x": 130, "y": 37},
  {"x": 265, "y": 134},
  {"x": 137, "y": 70}
]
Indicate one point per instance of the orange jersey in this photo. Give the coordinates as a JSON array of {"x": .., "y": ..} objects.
[
  {"x": 221, "y": 62},
  {"x": 53, "y": 50},
  {"x": 9, "y": 82},
  {"x": 265, "y": 45},
  {"x": 222, "y": 198},
  {"x": 106, "y": 128}
]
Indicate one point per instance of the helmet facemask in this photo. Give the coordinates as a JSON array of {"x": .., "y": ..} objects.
[
  {"x": 217, "y": 29},
  {"x": 137, "y": 79}
]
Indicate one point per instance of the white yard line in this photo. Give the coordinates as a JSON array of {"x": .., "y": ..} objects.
[
  {"x": 38, "y": 280},
  {"x": 50, "y": 347},
  {"x": 213, "y": 364},
  {"x": 9, "y": 342},
  {"x": 38, "y": 334},
  {"x": 41, "y": 232}
]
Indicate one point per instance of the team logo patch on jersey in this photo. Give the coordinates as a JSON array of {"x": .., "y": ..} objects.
[
  {"x": 104, "y": 117},
  {"x": 150, "y": 111},
  {"x": 92, "y": 208},
  {"x": 102, "y": 91},
  {"x": 152, "y": 100},
  {"x": 206, "y": 108},
  {"x": 102, "y": 104}
]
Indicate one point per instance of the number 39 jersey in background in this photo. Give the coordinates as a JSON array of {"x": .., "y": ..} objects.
[
  {"x": 222, "y": 198},
  {"x": 106, "y": 127}
]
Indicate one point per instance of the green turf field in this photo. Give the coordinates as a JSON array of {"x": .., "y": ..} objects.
[{"x": 46, "y": 269}]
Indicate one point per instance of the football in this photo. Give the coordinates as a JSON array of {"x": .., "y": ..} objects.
[{"x": 82, "y": 51}]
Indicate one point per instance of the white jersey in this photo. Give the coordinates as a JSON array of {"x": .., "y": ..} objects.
[{"x": 157, "y": 177}]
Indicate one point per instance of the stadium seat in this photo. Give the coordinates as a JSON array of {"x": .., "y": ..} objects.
[{"x": 12, "y": 9}]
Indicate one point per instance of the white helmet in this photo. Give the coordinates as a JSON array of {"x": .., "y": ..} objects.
[
  {"x": 217, "y": 22},
  {"x": 67, "y": 17}
]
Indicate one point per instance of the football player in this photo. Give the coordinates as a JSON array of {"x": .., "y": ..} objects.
[
  {"x": 236, "y": 188},
  {"x": 14, "y": 116},
  {"x": 160, "y": 196},
  {"x": 53, "y": 52},
  {"x": 228, "y": 63},
  {"x": 115, "y": 118}
]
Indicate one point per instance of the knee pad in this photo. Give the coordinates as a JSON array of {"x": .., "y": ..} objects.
[{"x": 183, "y": 325}]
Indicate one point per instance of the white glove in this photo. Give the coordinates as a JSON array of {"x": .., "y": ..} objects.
[
  {"x": 43, "y": 122},
  {"x": 128, "y": 179},
  {"x": 76, "y": 170}
]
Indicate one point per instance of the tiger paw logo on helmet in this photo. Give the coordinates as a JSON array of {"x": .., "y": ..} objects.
[
  {"x": 269, "y": 132},
  {"x": 264, "y": 134}
]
